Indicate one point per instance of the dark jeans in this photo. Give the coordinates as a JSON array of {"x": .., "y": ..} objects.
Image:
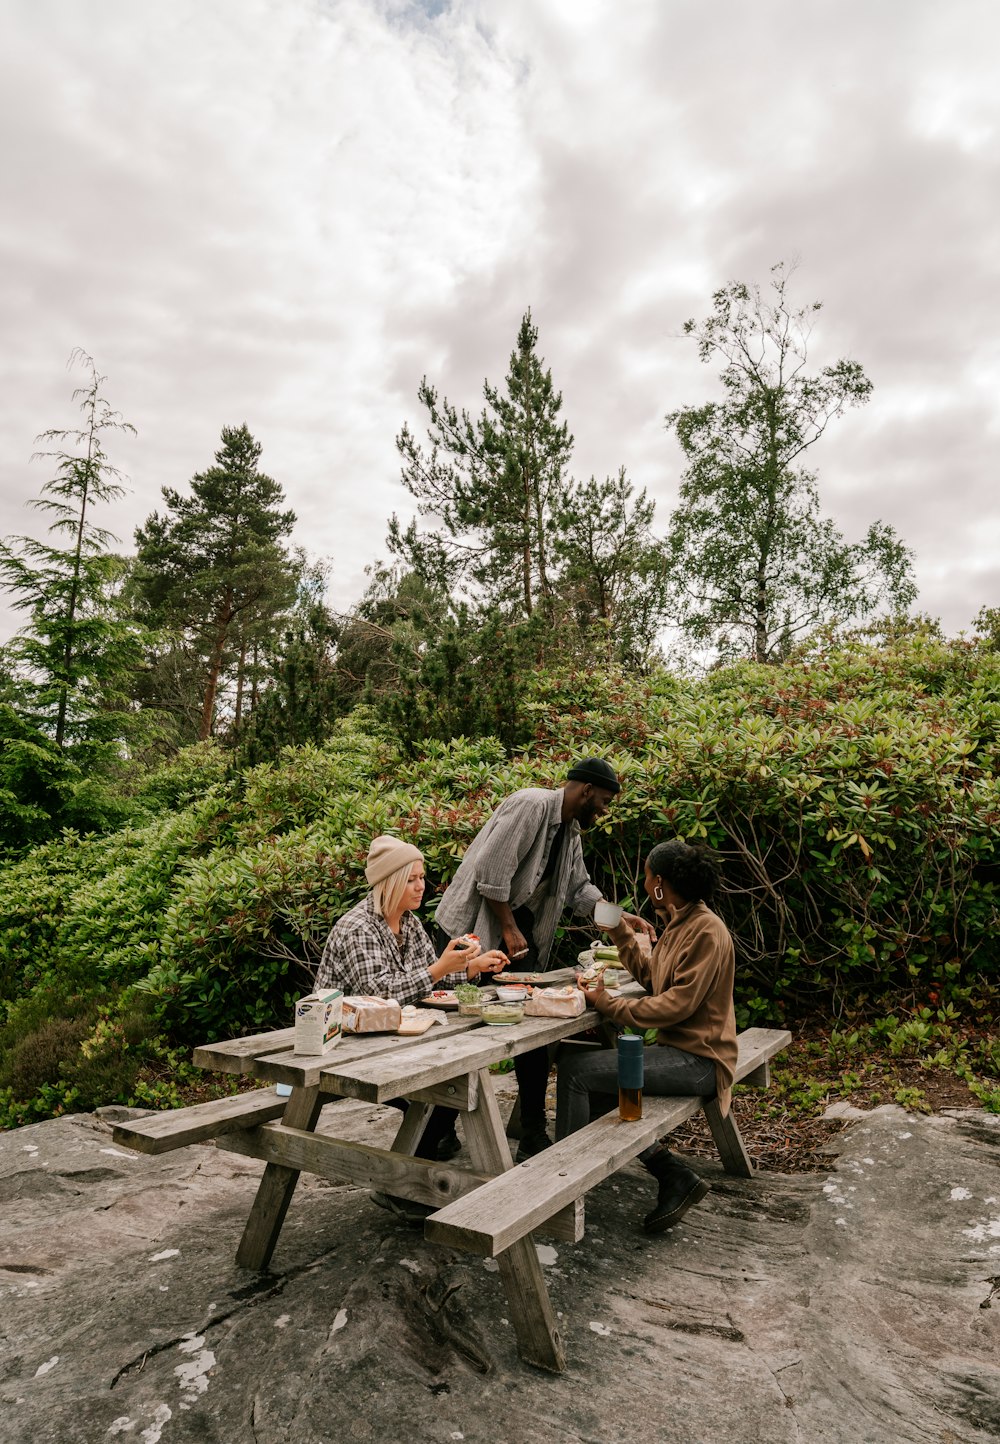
[
  {"x": 530, "y": 1069},
  {"x": 588, "y": 1083}
]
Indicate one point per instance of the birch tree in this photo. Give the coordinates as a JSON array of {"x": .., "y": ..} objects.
[{"x": 753, "y": 563}]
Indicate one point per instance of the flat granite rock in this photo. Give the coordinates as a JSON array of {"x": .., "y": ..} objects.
[{"x": 860, "y": 1306}]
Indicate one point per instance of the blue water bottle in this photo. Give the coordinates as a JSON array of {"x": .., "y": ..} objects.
[{"x": 630, "y": 1057}]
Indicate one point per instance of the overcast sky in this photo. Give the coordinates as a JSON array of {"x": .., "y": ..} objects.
[{"x": 285, "y": 212}]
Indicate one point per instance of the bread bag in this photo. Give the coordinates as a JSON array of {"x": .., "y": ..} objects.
[
  {"x": 566, "y": 1002},
  {"x": 371, "y": 1015}
]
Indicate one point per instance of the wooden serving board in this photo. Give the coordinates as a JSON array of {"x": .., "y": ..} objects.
[
  {"x": 413, "y": 1027},
  {"x": 556, "y": 977}
]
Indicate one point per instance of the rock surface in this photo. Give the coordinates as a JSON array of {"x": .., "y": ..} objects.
[{"x": 862, "y": 1306}]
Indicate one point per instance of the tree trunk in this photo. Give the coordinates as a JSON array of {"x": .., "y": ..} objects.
[
  {"x": 533, "y": 491},
  {"x": 526, "y": 545},
  {"x": 240, "y": 673},
  {"x": 223, "y": 617},
  {"x": 772, "y": 472},
  {"x": 602, "y": 593},
  {"x": 254, "y": 679},
  {"x": 760, "y": 620},
  {"x": 74, "y": 590}
]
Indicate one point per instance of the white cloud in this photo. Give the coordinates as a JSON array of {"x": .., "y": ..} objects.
[{"x": 287, "y": 211}]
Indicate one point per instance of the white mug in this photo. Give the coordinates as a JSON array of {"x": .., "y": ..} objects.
[{"x": 607, "y": 914}]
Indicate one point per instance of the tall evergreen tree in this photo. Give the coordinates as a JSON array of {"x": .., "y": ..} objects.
[
  {"x": 212, "y": 568},
  {"x": 75, "y": 657},
  {"x": 492, "y": 483},
  {"x": 614, "y": 572},
  {"x": 301, "y": 689}
]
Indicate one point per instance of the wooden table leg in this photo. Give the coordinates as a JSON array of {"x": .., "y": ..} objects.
[
  {"x": 728, "y": 1140},
  {"x": 277, "y": 1186},
  {"x": 411, "y": 1130},
  {"x": 538, "y": 1340}
]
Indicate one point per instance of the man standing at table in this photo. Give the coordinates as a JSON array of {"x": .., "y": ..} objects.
[{"x": 519, "y": 873}]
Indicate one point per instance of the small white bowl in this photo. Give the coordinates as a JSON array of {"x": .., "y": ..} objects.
[{"x": 511, "y": 992}]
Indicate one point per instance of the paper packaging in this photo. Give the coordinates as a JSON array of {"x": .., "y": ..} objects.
[
  {"x": 566, "y": 1002},
  {"x": 371, "y": 1015},
  {"x": 317, "y": 1022}
]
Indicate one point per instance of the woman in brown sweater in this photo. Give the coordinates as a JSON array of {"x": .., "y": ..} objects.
[{"x": 689, "y": 1001}]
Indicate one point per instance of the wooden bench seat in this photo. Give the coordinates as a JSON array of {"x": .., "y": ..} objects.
[
  {"x": 365, "y": 1166},
  {"x": 518, "y": 1201},
  {"x": 177, "y": 1127}
]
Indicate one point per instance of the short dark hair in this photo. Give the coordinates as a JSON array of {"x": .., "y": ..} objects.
[{"x": 689, "y": 868}]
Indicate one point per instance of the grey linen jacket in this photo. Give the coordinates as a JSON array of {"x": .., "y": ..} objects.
[{"x": 505, "y": 861}]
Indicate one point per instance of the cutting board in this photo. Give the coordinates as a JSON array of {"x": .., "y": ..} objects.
[{"x": 412, "y": 1027}]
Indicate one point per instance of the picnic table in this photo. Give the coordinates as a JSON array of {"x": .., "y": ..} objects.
[{"x": 492, "y": 1208}]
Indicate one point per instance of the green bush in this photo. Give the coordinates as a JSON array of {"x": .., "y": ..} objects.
[
  {"x": 42, "y": 1056},
  {"x": 853, "y": 794},
  {"x": 187, "y": 776}
]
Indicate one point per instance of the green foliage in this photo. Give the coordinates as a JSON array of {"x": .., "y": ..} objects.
[
  {"x": 77, "y": 653},
  {"x": 852, "y": 795},
  {"x": 81, "y": 915},
  {"x": 66, "y": 713},
  {"x": 41, "y": 1057},
  {"x": 65, "y": 1052},
  {"x": 213, "y": 575},
  {"x": 43, "y": 790},
  {"x": 186, "y": 776},
  {"x": 613, "y": 583},
  {"x": 303, "y": 689},
  {"x": 753, "y": 565},
  {"x": 471, "y": 681},
  {"x": 492, "y": 483}
]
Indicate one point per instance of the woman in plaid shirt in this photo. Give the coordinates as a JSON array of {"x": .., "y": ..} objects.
[{"x": 380, "y": 949}]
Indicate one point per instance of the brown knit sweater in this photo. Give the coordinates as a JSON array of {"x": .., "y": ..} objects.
[{"x": 690, "y": 981}]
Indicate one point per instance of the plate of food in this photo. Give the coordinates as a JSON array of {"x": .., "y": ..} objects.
[
  {"x": 595, "y": 961},
  {"x": 556, "y": 976},
  {"x": 441, "y": 998}
]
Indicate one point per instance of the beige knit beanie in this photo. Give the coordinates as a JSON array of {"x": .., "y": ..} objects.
[{"x": 386, "y": 854}]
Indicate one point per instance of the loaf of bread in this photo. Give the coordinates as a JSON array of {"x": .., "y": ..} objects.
[{"x": 371, "y": 1015}]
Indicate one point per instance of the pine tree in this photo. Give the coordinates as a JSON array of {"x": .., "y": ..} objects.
[
  {"x": 76, "y": 655},
  {"x": 212, "y": 569},
  {"x": 614, "y": 572},
  {"x": 492, "y": 484},
  {"x": 301, "y": 689}
]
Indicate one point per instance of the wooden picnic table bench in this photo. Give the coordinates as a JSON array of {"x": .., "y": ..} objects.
[
  {"x": 492, "y": 1208},
  {"x": 520, "y": 1200}
]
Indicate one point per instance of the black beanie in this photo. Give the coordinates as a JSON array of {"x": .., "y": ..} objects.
[{"x": 595, "y": 771}]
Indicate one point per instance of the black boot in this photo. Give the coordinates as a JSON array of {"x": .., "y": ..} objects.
[
  {"x": 448, "y": 1146},
  {"x": 680, "y": 1189},
  {"x": 533, "y": 1139},
  {"x": 405, "y": 1209}
]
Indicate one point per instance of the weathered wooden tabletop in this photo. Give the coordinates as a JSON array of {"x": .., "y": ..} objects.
[{"x": 447, "y": 1065}]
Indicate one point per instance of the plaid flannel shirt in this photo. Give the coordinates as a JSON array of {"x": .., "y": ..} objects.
[{"x": 363, "y": 956}]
